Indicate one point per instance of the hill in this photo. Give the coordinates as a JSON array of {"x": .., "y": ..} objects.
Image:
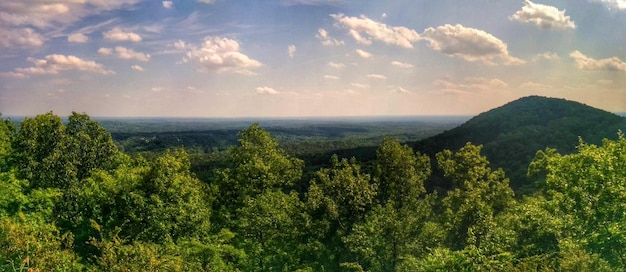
[{"x": 513, "y": 133}]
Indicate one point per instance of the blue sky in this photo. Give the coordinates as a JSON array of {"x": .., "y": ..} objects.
[{"x": 282, "y": 58}]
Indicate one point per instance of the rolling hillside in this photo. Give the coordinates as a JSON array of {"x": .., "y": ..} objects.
[{"x": 513, "y": 133}]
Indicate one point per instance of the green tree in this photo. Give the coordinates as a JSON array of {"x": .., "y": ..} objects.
[
  {"x": 586, "y": 191},
  {"x": 479, "y": 196},
  {"x": 399, "y": 224},
  {"x": 270, "y": 228},
  {"x": 91, "y": 146},
  {"x": 338, "y": 198},
  {"x": 255, "y": 165},
  {"x": 399, "y": 173},
  {"x": 41, "y": 152}
]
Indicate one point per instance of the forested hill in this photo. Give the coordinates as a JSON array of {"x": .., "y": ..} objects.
[{"x": 513, "y": 133}]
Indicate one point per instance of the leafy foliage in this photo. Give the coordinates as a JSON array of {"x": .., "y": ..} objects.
[{"x": 70, "y": 201}]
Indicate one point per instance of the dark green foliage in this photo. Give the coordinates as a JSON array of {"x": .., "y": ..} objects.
[
  {"x": 70, "y": 202},
  {"x": 513, "y": 133}
]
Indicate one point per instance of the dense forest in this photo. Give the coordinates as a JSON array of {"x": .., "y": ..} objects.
[{"x": 71, "y": 200}]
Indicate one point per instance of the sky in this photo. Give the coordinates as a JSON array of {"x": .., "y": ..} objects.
[{"x": 306, "y": 58}]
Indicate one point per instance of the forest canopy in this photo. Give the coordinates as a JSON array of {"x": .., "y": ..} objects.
[{"x": 70, "y": 200}]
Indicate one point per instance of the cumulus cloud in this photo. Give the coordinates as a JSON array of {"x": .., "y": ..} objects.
[
  {"x": 331, "y": 77},
  {"x": 10, "y": 37},
  {"x": 586, "y": 63},
  {"x": 322, "y": 35},
  {"x": 613, "y": 4},
  {"x": 359, "y": 85},
  {"x": 546, "y": 56},
  {"x": 221, "y": 55},
  {"x": 53, "y": 64},
  {"x": 402, "y": 64},
  {"x": 336, "y": 65},
  {"x": 180, "y": 45},
  {"x": 118, "y": 35},
  {"x": 376, "y": 76},
  {"x": 105, "y": 51},
  {"x": 266, "y": 91},
  {"x": 364, "y": 30},
  {"x": 12, "y": 75},
  {"x": 363, "y": 54},
  {"x": 77, "y": 38},
  {"x": 21, "y": 21},
  {"x": 167, "y": 4},
  {"x": 543, "y": 16},
  {"x": 137, "y": 68},
  {"x": 471, "y": 84},
  {"x": 469, "y": 44},
  {"x": 400, "y": 90},
  {"x": 531, "y": 85},
  {"x": 291, "y": 50},
  {"x": 126, "y": 53},
  {"x": 46, "y": 14}
]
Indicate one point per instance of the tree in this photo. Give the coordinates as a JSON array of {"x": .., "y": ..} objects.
[
  {"x": 270, "y": 228},
  {"x": 397, "y": 225},
  {"x": 479, "y": 195},
  {"x": 255, "y": 166},
  {"x": 587, "y": 190},
  {"x": 399, "y": 173},
  {"x": 338, "y": 197},
  {"x": 41, "y": 152},
  {"x": 91, "y": 145}
]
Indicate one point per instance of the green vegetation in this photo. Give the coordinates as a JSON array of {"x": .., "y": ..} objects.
[
  {"x": 511, "y": 134},
  {"x": 71, "y": 201}
]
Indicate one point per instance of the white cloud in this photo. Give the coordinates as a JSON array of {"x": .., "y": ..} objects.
[
  {"x": 543, "y": 16},
  {"x": 126, "y": 53},
  {"x": 471, "y": 84},
  {"x": 10, "y": 37},
  {"x": 221, "y": 55},
  {"x": 547, "y": 56},
  {"x": 586, "y": 63},
  {"x": 118, "y": 35},
  {"x": 402, "y": 64},
  {"x": 12, "y": 75},
  {"x": 331, "y": 77},
  {"x": 364, "y": 30},
  {"x": 336, "y": 65},
  {"x": 167, "y": 4},
  {"x": 206, "y": 1},
  {"x": 400, "y": 90},
  {"x": 105, "y": 51},
  {"x": 469, "y": 44},
  {"x": 535, "y": 86},
  {"x": 359, "y": 85},
  {"x": 613, "y": 4},
  {"x": 266, "y": 91},
  {"x": 137, "y": 68},
  {"x": 53, "y": 64},
  {"x": 376, "y": 76},
  {"x": 77, "y": 38},
  {"x": 291, "y": 50},
  {"x": 363, "y": 54},
  {"x": 20, "y": 21},
  {"x": 180, "y": 45},
  {"x": 322, "y": 34}
]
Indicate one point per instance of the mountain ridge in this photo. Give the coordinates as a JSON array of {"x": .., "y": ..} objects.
[{"x": 512, "y": 133}]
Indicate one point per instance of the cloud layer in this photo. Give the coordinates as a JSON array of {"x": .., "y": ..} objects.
[
  {"x": 543, "y": 16},
  {"x": 469, "y": 44}
]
